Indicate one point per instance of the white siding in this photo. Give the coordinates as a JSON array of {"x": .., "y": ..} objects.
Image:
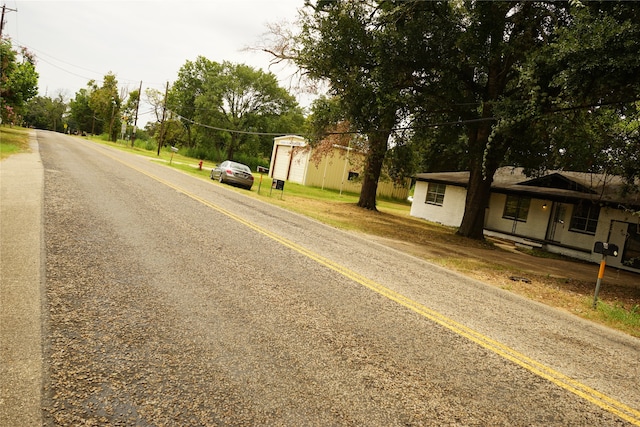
[
  {"x": 581, "y": 240},
  {"x": 612, "y": 223},
  {"x": 612, "y": 227},
  {"x": 298, "y": 167},
  {"x": 282, "y": 165},
  {"x": 535, "y": 227},
  {"x": 281, "y": 160},
  {"x": 451, "y": 211}
]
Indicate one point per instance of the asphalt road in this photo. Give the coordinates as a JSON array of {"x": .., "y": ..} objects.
[{"x": 170, "y": 300}]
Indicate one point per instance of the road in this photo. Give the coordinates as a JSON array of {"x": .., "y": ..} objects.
[{"x": 171, "y": 300}]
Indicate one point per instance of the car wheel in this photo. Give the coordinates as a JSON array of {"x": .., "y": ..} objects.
[{"x": 221, "y": 179}]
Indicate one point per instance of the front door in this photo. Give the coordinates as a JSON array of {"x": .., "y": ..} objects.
[
  {"x": 631, "y": 254},
  {"x": 626, "y": 236},
  {"x": 557, "y": 226}
]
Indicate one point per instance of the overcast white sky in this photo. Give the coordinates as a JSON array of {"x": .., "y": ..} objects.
[{"x": 148, "y": 41}]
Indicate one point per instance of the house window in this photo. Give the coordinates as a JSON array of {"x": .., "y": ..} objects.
[
  {"x": 353, "y": 176},
  {"x": 516, "y": 208},
  {"x": 435, "y": 194},
  {"x": 585, "y": 218}
]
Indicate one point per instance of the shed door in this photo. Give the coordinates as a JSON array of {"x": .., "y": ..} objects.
[
  {"x": 297, "y": 169},
  {"x": 281, "y": 164}
]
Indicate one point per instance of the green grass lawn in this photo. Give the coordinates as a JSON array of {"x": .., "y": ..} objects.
[{"x": 13, "y": 140}]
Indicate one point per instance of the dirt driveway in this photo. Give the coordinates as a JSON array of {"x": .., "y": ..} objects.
[{"x": 505, "y": 266}]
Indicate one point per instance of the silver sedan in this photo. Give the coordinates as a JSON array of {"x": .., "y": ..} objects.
[{"x": 233, "y": 173}]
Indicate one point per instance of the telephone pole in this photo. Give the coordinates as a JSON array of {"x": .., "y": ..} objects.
[
  {"x": 4, "y": 8},
  {"x": 164, "y": 112},
  {"x": 135, "y": 122}
]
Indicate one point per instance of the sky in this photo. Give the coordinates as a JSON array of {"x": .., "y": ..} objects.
[{"x": 149, "y": 41}]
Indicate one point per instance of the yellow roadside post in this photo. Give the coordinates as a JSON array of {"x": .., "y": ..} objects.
[
  {"x": 604, "y": 249},
  {"x": 262, "y": 170}
]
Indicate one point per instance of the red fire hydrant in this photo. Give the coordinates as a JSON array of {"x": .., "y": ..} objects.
[{"x": 200, "y": 165}]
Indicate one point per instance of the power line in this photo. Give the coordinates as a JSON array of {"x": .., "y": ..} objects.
[
  {"x": 244, "y": 132},
  {"x": 66, "y": 71}
]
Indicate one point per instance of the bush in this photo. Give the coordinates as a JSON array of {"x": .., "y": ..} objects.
[
  {"x": 201, "y": 153},
  {"x": 146, "y": 144},
  {"x": 251, "y": 161},
  {"x": 142, "y": 135},
  {"x": 150, "y": 145},
  {"x": 213, "y": 154}
]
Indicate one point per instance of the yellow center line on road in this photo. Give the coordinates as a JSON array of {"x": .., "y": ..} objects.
[{"x": 591, "y": 395}]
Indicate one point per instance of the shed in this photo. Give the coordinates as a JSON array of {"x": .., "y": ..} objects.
[
  {"x": 289, "y": 159},
  {"x": 339, "y": 168}
]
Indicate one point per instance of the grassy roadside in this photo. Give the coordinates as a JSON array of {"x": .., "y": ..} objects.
[
  {"x": 618, "y": 308},
  {"x": 13, "y": 140}
]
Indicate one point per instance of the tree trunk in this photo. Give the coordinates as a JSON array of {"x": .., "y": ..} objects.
[
  {"x": 478, "y": 194},
  {"x": 373, "y": 167},
  {"x": 189, "y": 141},
  {"x": 482, "y": 167},
  {"x": 231, "y": 150}
]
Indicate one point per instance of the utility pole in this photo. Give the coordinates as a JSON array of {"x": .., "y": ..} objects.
[
  {"x": 164, "y": 111},
  {"x": 4, "y": 8},
  {"x": 135, "y": 122}
]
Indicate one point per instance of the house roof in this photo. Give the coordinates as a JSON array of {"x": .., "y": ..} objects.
[{"x": 555, "y": 185}]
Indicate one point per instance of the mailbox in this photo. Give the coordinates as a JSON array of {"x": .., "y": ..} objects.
[
  {"x": 262, "y": 169},
  {"x": 277, "y": 184},
  {"x": 174, "y": 149},
  {"x": 605, "y": 248}
]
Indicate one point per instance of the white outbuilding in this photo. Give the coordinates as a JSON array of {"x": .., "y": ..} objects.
[{"x": 338, "y": 168}]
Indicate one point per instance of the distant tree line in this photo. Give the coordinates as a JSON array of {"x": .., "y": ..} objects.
[{"x": 213, "y": 111}]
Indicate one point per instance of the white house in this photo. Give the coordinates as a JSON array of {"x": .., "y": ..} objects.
[
  {"x": 561, "y": 212},
  {"x": 339, "y": 168}
]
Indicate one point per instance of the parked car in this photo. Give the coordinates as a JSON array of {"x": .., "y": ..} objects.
[{"x": 233, "y": 173}]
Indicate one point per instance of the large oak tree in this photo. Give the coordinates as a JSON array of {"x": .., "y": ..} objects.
[
  {"x": 489, "y": 82},
  {"x": 497, "y": 42},
  {"x": 542, "y": 75},
  {"x": 367, "y": 61},
  {"x": 232, "y": 108}
]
